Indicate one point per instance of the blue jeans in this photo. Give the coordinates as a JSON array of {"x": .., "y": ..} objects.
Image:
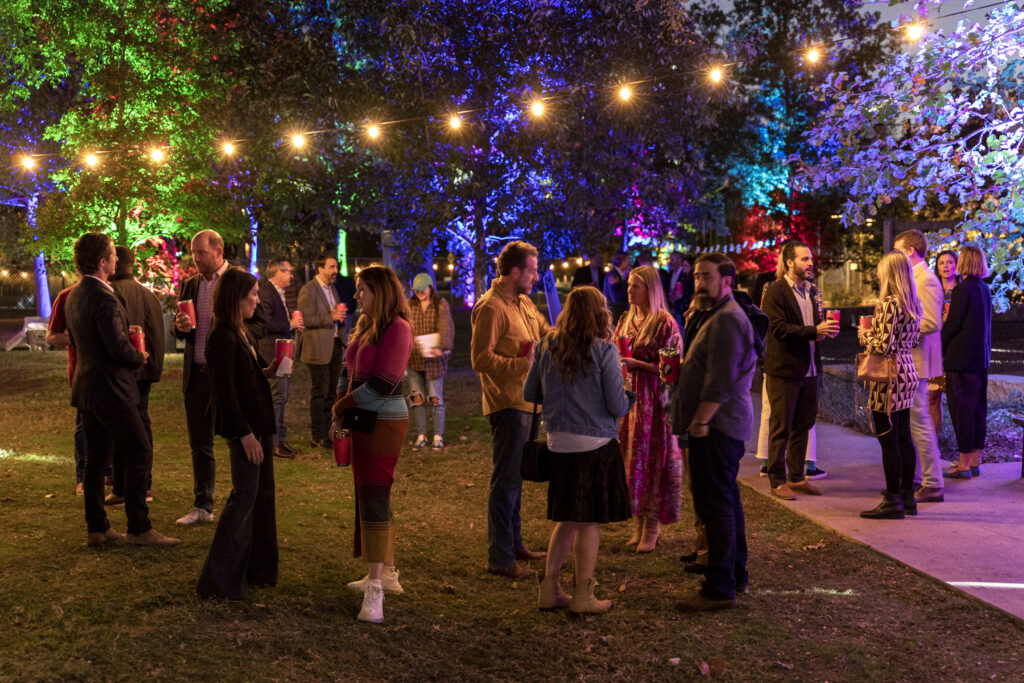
[
  {"x": 426, "y": 389},
  {"x": 714, "y": 462},
  {"x": 279, "y": 395},
  {"x": 509, "y": 430}
]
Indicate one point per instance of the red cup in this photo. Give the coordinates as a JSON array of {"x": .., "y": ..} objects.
[
  {"x": 678, "y": 289},
  {"x": 283, "y": 348},
  {"x": 865, "y": 322},
  {"x": 342, "y": 308},
  {"x": 137, "y": 337},
  {"x": 296, "y": 318},
  {"x": 343, "y": 449},
  {"x": 670, "y": 365},
  {"x": 832, "y": 314},
  {"x": 526, "y": 349},
  {"x": 188, "y": 307},
  {"x": 625, "y": 349}
]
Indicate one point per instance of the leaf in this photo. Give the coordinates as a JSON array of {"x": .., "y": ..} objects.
[
  {"x": 704, "y": 668},
  {"x": 784, "y": 665},
  {"x": 817, "y": 546}
]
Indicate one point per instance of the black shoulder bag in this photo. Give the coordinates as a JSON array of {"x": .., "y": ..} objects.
[{"x": 536, "y": 463}]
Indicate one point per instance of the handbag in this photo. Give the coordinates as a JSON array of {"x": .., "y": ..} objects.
[
  {"x": 536, "y": 463},
  {"x": 359, "y": 420},
  {"x": 874, "y": 367}
]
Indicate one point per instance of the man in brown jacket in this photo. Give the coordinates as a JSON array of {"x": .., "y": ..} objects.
[
  {"x": 320, "y": 345},
  {"x": 506, "y": 326}
]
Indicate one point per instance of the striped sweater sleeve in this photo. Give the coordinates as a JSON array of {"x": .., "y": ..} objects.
[{"x": 393, "y": 352}]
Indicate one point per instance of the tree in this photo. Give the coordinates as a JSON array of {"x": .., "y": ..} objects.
[{"x": 943, "y": 123}]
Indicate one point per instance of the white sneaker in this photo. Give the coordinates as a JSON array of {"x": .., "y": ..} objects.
[
  {"x": 389, "y": 580},
  {"x": 373, "y": 604},
  {"x": 195, "y": 516}
]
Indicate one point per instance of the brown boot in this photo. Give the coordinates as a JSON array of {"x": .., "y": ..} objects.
[
  {"x": 584, "y": 602},
  {"x": 151, "y": 537},
  {"x": 650, "y": 536},
  {"x": 551, "y": 595},
  {"x": 638, "y": 534}
]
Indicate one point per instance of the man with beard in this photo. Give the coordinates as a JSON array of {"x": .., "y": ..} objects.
[
  {"x": 792, "y": 368},
  {"x": 713, "y": 415},
  {"x": 320, "y": 346},
  {"x": 506, "y": 326}
]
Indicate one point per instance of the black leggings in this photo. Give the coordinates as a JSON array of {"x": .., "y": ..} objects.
[{"x": 899, "y": 459}]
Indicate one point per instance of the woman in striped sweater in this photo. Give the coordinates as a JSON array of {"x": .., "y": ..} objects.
[{"x": 370, "y": 389}]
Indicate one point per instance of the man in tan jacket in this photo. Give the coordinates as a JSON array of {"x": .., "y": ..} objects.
[
  {"x": 320, "y": 345},
  {"x": 928, "y": 362},
  {"x": 506, "y": 327}
]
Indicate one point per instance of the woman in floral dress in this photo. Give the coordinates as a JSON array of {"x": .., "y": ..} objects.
[
  {"x": 654, "y": 465},
  {"x": 895, "y": 330}
]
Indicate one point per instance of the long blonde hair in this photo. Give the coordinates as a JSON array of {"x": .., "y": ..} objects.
[
  {"x": 655, "y": 299},
  {"x": 389, "y": 302},
  {"x": 896, "y": 278}
]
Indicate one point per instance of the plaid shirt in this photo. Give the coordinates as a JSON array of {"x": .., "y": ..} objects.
[{"x": 436, "y": 319}]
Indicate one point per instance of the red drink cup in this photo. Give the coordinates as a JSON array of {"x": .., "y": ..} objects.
[
  {"x": 865, "y": 322},
  {"x": 669, "y": 365},
  {"x": 296, "y": 318},
  {"x": 832, "y": 314},
  {"x": 137, "y": 337},
  {"x": 526, "y": 349},
  {"x": 283, "y": 348},
  {"x": 678, "y": 289},
  {"x": 343, "y": 449},
  {"x": 342, "y": 308},
  {"x": 188, "y": 307},
  {"x": 625, "y": 349}
]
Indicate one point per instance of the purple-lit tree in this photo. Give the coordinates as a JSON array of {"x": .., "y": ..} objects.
[{"x": 941, "y": 122}]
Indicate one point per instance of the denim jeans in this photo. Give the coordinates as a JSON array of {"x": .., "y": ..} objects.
[
  {"x": 426, "y": 389},
  {"x": 279, "y": 395},
  {"x": 509, "y": 430},
  {"x": 714, "y": 463}
]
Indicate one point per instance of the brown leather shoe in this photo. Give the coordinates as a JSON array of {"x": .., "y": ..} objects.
[
  {"x": 281, "y": 453},
  {"x": 98, "y": 539},
  {"x": 285, "y": 448},
  {"x": 524, "y": 553},
  {"x": 512, "y": 571},
  {"x": 113, "y": 501},
  {"x": 701, "y": 603},
  {"x": 804, "y": 486},
  {"x": 929, "y": 494},
  {"x": 784, "y": 492},
  {"x": 151, "y": 537}
]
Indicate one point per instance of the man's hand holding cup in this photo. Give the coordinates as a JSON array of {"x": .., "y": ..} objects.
[{"x": 183, "y": 322}]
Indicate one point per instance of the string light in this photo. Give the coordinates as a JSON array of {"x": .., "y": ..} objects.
[
  {"x": 157, "y": 155},
  {"x": 228, "y": 148},
  {"x": 579, "y": 262},
  {"x": 716, "y": 75},
  {"x": 298, "y": 141},
  {"x": 435, "y": 266},
  {"x": 373, "y": 131},
  {"x": 915, "y": 31},
  {"x": 91, "y": 160},
  {"x": 813, "y": 55},
  {"x": 455, "y": 122},
  {"x": 28, "y": 162},
  {"x": 625, "y": 93},
  {"x": 537, "y": 108}
]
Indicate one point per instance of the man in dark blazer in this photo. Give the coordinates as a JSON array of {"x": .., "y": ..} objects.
[
  {"x": 320, "y": 345},
  {"x": 272, "y": 321},
  {"x": 143, "y": 309},
  {"x": 105, "y": 391},
  {"x": 345, "y": 288},
  {"x": 590, "y": 274},
  {"x": 208, "y": 256},
  {"x": 792, "y": 368},
  {"x": 616, "y": 283}
]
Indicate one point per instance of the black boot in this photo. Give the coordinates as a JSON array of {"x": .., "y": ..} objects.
[
  {"x": 909, "y": 504},
  {"x": 891, "y": 507}
]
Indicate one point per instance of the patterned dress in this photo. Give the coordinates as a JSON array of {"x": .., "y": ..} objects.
[
  {"x": 372, "y": 380},
  {"x": 654, "y": 463},
  {"x": 893, "y": 334}
]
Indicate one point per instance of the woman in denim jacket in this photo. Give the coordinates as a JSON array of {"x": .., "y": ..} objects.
[{"x": 576, "y": 375}]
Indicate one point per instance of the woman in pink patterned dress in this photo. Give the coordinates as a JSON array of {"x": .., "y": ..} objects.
[
  {"x": 895, "y": 330},
  {"x": 654, "y": 465}
]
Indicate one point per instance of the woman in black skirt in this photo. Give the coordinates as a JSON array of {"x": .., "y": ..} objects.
[
  {"x": 576, "y": 374},
  {"x": 244, "y": 550}
]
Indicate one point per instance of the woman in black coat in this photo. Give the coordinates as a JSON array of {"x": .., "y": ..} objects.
[
  {"x": 244, "y": 550},
  {"x": 966, "y": 355}
]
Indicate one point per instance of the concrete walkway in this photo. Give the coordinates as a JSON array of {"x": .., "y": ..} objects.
[{"x": 974, "y": 541}]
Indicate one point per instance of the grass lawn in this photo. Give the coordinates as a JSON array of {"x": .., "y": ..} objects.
[{"x": 820, "y": 608}]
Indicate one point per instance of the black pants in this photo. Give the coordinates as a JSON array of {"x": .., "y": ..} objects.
[
  {"x": 145, "y": 386},
  {"x": 899, "y": 459},
  {"x": 244, "y": 549},
  {"x": 967, "y": 393},
  {"x": 200, "y": 436},
  {"x": 323, "y": 388},
  {"x": 714, "y": 462},
  {"x": 794, "y": 406},
  {"x": 120, "y": 433}
]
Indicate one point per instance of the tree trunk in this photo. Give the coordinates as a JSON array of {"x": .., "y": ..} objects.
[{"x": 43, "y": 307}]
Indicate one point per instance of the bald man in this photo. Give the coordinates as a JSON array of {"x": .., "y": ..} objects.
[{"x": 208, "y": 256}]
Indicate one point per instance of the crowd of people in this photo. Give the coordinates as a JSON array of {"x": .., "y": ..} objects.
[{"x": 643, "y": 383}]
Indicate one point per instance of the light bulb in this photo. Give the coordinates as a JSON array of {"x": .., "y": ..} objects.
[
  {"x": 537, "y": 108},
  {"x": 813, "y": 55},
  {"x": 373, "y": 132},
  {"x": 157, "y": 155},
  {"x": 298, "y": 141},
  {"x": 455, "y": 122},
  {"x": 915, "y": 31},
  {"x": 625, "y": 93},
  {"x": 229, "y": 149},
  {"x": 91, "y": 160},
  {"x": 716, "y": 75}
]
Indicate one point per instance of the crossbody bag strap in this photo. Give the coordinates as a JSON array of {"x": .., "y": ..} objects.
[{"x": 534, "y": 422}]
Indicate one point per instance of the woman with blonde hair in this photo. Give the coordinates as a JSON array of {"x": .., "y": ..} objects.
[
  {"x": 654, "y": 466},
  {"x": 575, "y": 374},
  {"x": 370, "y": 392},
  {"x": 966, "y": 356},
  {"x": 895, "y": 330}
]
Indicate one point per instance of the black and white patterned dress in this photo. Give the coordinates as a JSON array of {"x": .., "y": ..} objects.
[{"x": 893, "y": 333}]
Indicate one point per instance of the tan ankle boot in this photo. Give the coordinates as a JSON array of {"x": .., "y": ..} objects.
[
  {"x": 551, "y": 596},
  {"x": 584, "y": 602},
  {"x": 650, "y": 536},
  {"x": 638, "y": 534}
]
